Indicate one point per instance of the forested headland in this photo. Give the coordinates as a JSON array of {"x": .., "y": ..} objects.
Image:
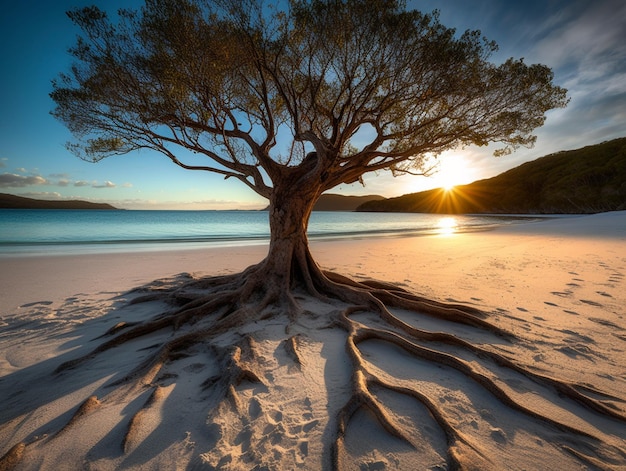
[{"x": 587, "y": 180}]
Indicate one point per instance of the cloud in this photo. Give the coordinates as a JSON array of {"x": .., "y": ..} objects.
[
  {"x": 593, "y": 36},
  {"x": 3, "y": 163},
  {"x": 106, "y": 184},
  {"x": 11, "y": 180},
  {"x": 586, "y": 49}
]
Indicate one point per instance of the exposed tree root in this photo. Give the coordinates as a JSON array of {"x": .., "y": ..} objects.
[
  {"x": 12, "y": 457},
  {"x": 203, "y": 310},
  {"x": 86, "y": 408},
  {"x": 131, "y": 432},
  {"x": 293, "y": 350}
]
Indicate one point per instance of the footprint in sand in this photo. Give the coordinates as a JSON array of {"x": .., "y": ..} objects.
[
  {"x": 576, "y": 337},
  {"x": 550, "y": 304},
  {"x": 310, "y": 425},
  {"x": 498, "y": 435},
  {"x": 602, "y": 293},
  {"x": 36, "y": 303},
  {"x": 575, "y": 351},
  {"x": 605, "y": 322},
  {"x": 452, "y": 300},
  {"x": 254, "y": 409},
  {"x": 379, "y": 465},
  {"x": 303, "y": 451},
  {"x": 591, "y": 303},
  {"x": 244, "y": 439}
]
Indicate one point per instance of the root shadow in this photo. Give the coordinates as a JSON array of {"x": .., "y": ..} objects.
[{"x": 216, "y": 331}]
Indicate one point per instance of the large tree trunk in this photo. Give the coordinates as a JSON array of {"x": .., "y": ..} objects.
[{"x": 289, "y": 262}]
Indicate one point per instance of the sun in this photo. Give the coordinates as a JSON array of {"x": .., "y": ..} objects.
[
  {"x": 448, "y": 180},
  {"x": 448, "y": 186},
  {"x": 454, "y": 170},
  {"x": 449, "y": 172}
]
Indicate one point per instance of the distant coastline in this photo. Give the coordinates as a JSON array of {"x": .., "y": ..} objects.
[{"x": 8, "y": 201}]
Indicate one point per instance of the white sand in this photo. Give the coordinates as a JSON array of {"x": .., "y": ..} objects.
[{"x": 558, "y": 285}]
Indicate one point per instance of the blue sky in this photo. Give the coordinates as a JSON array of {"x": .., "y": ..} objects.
[{"x": 583, "y": 42}]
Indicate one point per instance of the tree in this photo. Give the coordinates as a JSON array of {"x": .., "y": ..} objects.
[
  {"x": 282, "y": 101},
  {"x": 223, "y": 79}
]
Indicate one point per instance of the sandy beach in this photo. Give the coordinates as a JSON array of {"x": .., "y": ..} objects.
[{"x": 558, "y": 286}]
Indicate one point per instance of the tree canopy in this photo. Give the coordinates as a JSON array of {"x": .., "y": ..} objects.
[{"x": 355, "y": 85}]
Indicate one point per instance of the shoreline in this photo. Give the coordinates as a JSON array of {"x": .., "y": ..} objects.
[
  {"x": 516, "y": 223},
  {"x": 126, "y": 236},
  {"x": 57, "y": 276}
]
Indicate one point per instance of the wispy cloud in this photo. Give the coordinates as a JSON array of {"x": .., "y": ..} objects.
[
  {"x": 63, "y": 180},
  {"x": 106, "y": 184},
  {"x": 12, "y": 180},
  {"x": 590, "y": 36},
  {"x": 586, "y": 50}
]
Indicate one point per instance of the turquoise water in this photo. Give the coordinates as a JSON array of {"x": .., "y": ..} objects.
[{"x": 24, "y": 232}]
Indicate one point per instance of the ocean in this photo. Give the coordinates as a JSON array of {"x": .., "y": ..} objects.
[{"x": 49, "y": 232}]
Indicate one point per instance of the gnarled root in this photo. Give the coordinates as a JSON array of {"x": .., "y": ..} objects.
[{"x": 207, "y": 314}]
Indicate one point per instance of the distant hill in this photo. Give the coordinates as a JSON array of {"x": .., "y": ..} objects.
[
  {"x": 334, "y": 202},
  {"x": 19, "y": 202},
  {"x": 587, "y": 180}
]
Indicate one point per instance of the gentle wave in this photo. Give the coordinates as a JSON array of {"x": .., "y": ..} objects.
[{"x": 26, "y": 232}]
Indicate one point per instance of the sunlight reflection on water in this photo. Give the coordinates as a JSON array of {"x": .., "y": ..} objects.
[{"x": 446, "y": 226}]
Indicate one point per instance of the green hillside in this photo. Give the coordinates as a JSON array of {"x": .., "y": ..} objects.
[
  {"x": 19, "y": 202},
  {"x": 587, "y": 180}
]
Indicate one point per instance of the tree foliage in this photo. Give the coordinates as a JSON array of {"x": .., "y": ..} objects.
[{"x": 365, "y": 85}]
